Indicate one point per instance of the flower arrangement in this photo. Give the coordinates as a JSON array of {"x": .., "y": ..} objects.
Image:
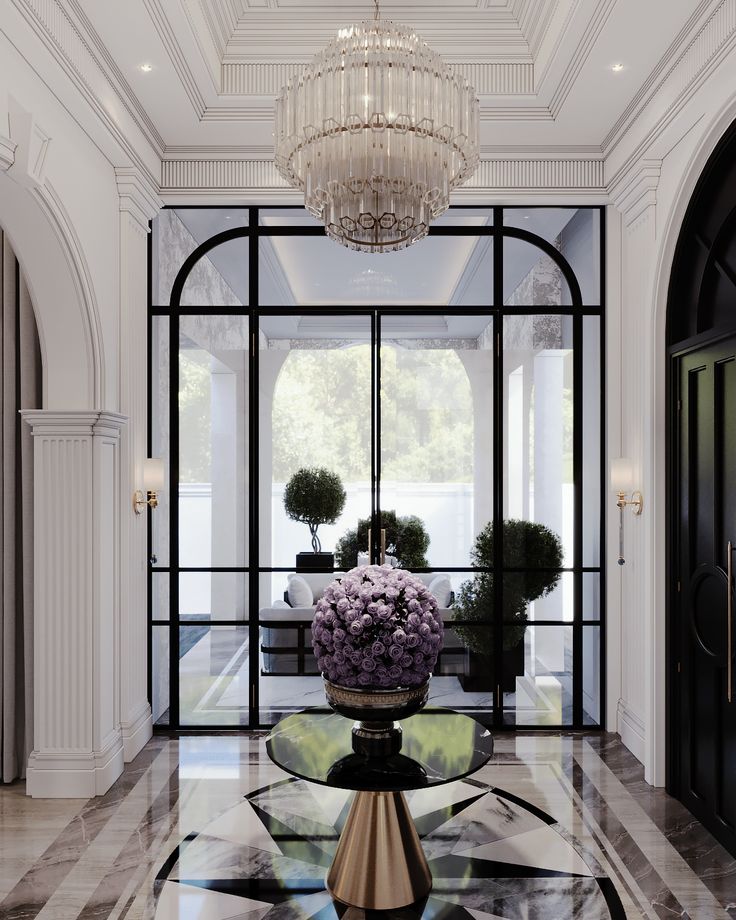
[{"x": 377, "y": 628}]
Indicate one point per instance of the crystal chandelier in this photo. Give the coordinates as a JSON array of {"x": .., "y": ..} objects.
[{"x": 377, "y": 131}]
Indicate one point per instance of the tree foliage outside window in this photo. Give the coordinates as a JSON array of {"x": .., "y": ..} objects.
[
  {"x": 195, "y": 416},
  {"x": 321, "y": 412}
]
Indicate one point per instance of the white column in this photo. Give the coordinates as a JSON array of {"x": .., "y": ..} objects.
[
  {"x": 77, "y": 744},
  {"x": 138, "y": 205}
]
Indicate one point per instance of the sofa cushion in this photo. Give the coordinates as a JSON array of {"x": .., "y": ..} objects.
[
  {"x": 316, "y": 582},
  {"x": 299, "y": 591},
  {"x": 441, "y": 588}
]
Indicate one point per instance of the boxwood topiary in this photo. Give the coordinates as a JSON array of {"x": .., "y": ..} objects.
[
  {"x": 314, "y": 496},
  {"x": 526, "y": 545}
]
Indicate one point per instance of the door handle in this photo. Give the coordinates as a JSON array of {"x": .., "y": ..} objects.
[{"x": 729, "y": 625}]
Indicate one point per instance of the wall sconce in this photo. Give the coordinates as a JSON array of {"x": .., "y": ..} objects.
[
  {"x": 153, "y": 483},
  {"x": 622, "y": 483}
]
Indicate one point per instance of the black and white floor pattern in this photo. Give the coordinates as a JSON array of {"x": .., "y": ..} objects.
[{"x": 491, "y": 854}]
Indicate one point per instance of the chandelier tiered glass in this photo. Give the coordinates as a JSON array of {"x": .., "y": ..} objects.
[{"x": 377, "y": 132}]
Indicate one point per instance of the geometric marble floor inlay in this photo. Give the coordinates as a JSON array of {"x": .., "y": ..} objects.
[{"x": 491, "y": 854}]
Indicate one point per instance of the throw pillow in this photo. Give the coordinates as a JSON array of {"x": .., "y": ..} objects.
[
  {"x": 299, "y": 592},
  {"x": 441, "y": 587}
]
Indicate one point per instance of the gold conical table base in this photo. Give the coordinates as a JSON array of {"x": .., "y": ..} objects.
[{"x": 379, "y": 863}]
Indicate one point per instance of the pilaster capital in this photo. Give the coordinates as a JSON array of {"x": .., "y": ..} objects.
[
  {"x": 635, "y": 190},
  {"x": 7, "y": 153},
  {"x": 137, "y": 194},
  {"x": 70, "y": 424}
]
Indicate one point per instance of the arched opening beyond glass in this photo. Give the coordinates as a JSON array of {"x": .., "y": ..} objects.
[{"x": 456, "y": 390}]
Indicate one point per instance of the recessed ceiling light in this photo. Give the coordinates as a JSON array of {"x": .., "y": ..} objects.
[
  {"x": 146, "y": 68},
  {"x": 617, "y": 68}
]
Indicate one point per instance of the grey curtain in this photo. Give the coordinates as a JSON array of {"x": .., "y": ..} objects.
[{"x": 21, "y": 389}]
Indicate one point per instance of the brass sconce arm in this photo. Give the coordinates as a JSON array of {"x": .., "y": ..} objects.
[{"x": 141, "y": 499}]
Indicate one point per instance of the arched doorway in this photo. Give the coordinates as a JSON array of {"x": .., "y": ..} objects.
[{"x": 701, "y": 339}]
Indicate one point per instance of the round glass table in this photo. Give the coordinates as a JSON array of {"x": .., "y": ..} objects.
[{"x": 379, "y": 863}]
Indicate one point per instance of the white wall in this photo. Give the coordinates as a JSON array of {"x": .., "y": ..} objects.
[
  {"x": 652, "y": 172},
  {"x": 76, "y": 205}
]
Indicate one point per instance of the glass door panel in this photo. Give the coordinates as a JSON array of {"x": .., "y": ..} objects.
[
  {"x": 436, "y": 463},
  {"x": 212, "y": 616},
  {"x": 314, "y": 464}
]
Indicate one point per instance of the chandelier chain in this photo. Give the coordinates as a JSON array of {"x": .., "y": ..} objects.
[{"x": 377, "y": 12}]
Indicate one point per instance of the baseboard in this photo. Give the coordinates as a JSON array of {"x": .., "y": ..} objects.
[
  {"x": 136, "y": 733},
  {"x": 76, "y": 775},
  {"x": 632, "y": 731}
]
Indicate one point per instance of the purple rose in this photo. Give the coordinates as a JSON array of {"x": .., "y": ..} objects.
[
  {"x": 339, "y": 634},
  {"x": 356, "y": 658},
  {"x": 368, "y": 664},
  {"x": 399, "y": 636},
  {"x": 418, "y": 659},
  {"x": 406, "y": 661},
  {"x": 378, "y": 649},
  {"x": 356, "y": 628},
  {"x": 364, "y": 678},
  {"x": 413, "y": 619},
  {"x": 351, "y": 616},
  {"x": 395, "y": 652},
  {"x": 425, "y": 630},
  {"x": 412, "y": 640},
  {"x": 367, "y": 620},
  {"x": 394, "y": 672}
]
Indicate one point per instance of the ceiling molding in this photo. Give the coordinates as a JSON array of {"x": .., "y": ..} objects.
[
  {"x": 116, "y": 77},
  {"x": 176, "y": 55},
  {"x": 267, "y": 79},
  {"x": 487, "y": 152},
  {"x": 86, "y": 66},
  {"x": 681, "y": 69},
  {"x": 238, "y": 175},
  {"x": 584, "y": 47}
]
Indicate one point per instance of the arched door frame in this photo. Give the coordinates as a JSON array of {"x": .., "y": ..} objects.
[{"x": 657, "y": 452}]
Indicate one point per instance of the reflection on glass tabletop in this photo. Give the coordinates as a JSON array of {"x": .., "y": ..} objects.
[{"x": 438, "y": 746}]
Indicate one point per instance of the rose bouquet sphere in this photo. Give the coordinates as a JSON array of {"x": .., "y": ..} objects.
[{"x": 378, "y": 628}]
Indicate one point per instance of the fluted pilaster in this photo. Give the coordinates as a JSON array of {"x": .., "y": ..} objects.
[{"x": 77, "y": 748}]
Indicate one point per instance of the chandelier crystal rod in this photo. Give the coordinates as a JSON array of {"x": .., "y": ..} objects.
[{"x": 377, "y": 132}]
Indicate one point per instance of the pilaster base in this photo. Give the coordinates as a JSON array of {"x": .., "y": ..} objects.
[
  {"x": 137, "y": 733},
  {"x": 80, "y": 775}
]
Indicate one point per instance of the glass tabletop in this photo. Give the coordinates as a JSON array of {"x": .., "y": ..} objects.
[{"x": 437, "y": 746}]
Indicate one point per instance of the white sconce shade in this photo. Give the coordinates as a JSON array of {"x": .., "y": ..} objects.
[
  {"x": 622, "y": 474},
  {"x": 153, "y": 475}
]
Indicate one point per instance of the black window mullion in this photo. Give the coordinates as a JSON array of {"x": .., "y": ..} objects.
[
  {"x": 174, "y": 639},
  {"x": 254, "y": 715},
  {"x": 498, "y": 479},
  {"x": 577, "y": 467}
]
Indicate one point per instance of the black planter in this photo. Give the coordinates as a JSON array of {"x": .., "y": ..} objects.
[
  {"x": 308, "y": 562},
  {"x": 477, "y": 676}
]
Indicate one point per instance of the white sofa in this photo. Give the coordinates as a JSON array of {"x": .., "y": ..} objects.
[{"x": 286, "y": 641}]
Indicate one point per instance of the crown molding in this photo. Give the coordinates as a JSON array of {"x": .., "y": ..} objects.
[
  {"x": 487, "y": 152},
  {"x": 160, "y": 20},
  {"x": 584, "y": 47},
  {"x": 267, "y": 78},
  {"x": 681, "y": 70},
  {"x": 138, "y": 197},
  {"x": 70, "y": 49},
  {"x": 217, "y": 176},
  {"x": 78, "y": 49},
  {"x": 7, "y": 153}
]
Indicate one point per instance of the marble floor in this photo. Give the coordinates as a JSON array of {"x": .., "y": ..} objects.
[{"x": 207, "y": 828}]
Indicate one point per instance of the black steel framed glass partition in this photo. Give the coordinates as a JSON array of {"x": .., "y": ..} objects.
[{"x": 456, "y": 386}]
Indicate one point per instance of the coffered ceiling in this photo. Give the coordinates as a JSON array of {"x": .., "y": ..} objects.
[{"x": 542, "y": 68}]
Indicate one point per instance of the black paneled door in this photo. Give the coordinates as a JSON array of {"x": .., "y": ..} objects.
[{"x": 705, "y": 682}]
